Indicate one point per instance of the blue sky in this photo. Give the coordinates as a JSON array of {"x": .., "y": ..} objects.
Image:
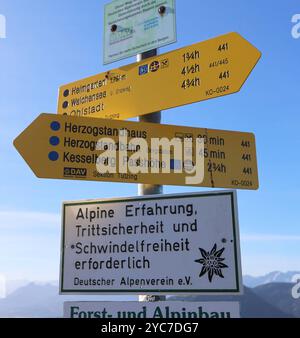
[{"x": 50, "y": 43}]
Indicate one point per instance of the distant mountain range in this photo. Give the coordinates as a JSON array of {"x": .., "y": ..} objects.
[
  {"x": 13, "y": 285},
  {"x": 272, "y": 277},
  {"x": 268, "y": 300},
  {"x": 279, "y": 294},
  {"x": 40, "y": 301}
]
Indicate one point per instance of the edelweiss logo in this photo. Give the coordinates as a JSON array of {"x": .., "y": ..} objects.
[{"x": 212, "y": 263}]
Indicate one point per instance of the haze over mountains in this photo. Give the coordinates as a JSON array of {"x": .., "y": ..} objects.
[
  {"x": 270, "y": 296},
  {"x": 272, "y": 277}
]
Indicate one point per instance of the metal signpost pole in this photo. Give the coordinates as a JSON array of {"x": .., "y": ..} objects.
[{"x": 149, "y": 189}]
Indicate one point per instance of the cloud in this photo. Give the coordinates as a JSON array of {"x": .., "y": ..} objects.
[
  {"x": 13, "y": 218},
  {"x": 29, "y": 244},
  {"x": 268, "y": 237}
]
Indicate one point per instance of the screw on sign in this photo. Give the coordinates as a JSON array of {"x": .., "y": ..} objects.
[
  {"x": 114, "y": 28},
  {"x": 162, "y": 10}
]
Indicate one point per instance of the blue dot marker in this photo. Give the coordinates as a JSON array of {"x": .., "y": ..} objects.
[
  {"x": 55, "y": 125},
  {"x": 53, "y": 156},
  {"x": 54, "y": 140},
  {"x": 65, "y": 105}
]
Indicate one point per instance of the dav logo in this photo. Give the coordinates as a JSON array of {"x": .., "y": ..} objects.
[
  {"x": 75, "y": 172},
  {"x": 143, "y": 70}
]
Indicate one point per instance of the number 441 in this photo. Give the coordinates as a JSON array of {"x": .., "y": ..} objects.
[{"x": 223, "y": 47}]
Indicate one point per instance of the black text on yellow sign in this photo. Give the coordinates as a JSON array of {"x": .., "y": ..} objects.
[
  {"x": 205, "y": 70},
  {"x": 64, "y": 147}
]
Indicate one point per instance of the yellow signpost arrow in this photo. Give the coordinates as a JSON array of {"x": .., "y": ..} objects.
[
  {"x": 205, "y": 70},
  {"x": 64, "y": 147}
]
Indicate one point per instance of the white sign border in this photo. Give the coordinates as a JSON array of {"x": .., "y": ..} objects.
[{"x": 237, "y": 252}]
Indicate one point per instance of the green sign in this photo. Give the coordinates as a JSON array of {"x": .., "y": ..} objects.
[
  {"x": 135, "y": 26},
  {"x": 156, "y": 310}
]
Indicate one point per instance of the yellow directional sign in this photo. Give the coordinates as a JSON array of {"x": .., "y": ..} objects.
[
  {"x": 64, "y": 147},
  {"x": 201, "y": 71}
]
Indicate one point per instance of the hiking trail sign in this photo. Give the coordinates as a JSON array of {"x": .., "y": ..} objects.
[
  {"x": 64, "y": 147},
  {"x": 202, "y": 71}
]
